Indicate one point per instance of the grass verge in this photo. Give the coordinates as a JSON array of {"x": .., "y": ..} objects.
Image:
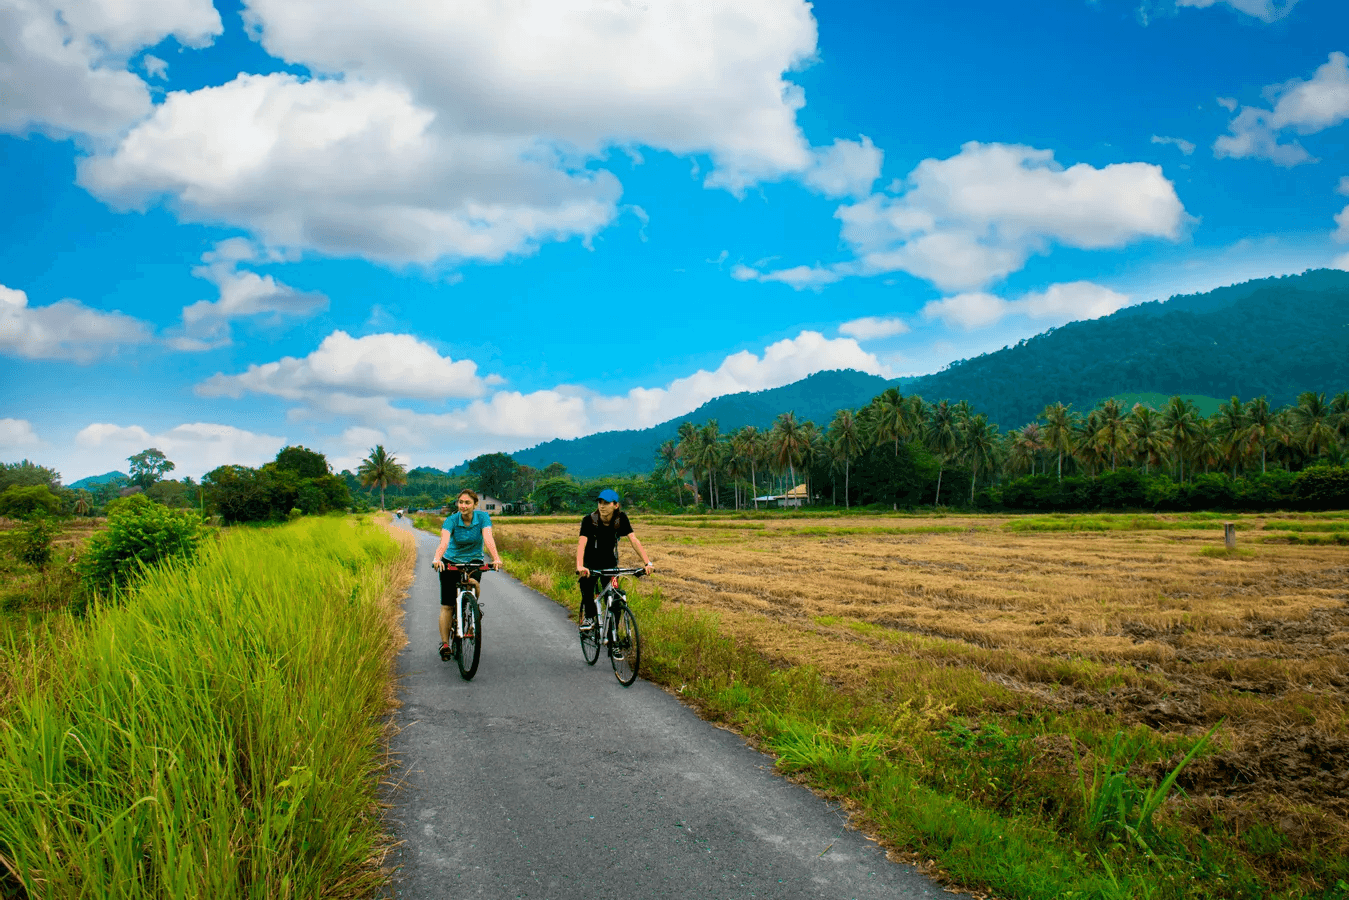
[{"x": 216, "y": 732}]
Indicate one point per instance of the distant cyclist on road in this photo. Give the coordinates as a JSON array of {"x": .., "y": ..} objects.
[
  {"x": 461, "y": 541},
  {"x": 598, "y": 547}
]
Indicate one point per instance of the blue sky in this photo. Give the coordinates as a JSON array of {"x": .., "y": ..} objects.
[{"x": 453, "y": 228}]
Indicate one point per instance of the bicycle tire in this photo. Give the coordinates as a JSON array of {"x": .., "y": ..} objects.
[
  {"x": 625, "y": 646},
  {"x": 470, "y": 645},
  {"x": 590, "y": 640}
]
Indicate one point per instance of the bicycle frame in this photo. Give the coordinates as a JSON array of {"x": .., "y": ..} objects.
[{"x": 460, "y": 591}]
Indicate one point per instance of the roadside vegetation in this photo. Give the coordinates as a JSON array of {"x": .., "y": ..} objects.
[
  {"x": 211, "y": 725},
  {"x": 1047, "y": 707}
]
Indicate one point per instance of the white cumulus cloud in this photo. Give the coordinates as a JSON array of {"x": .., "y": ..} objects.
[
  {"x": 1059, "y": 303},
  {"x": 66, "y": 329},
  {"x": 966, "y": 221},
  {"x": 1264, "y": 10},
  {"x": 63, "y": 64},
  {"x": 194, "y": 448},
  {"x": 366, "y": 400},
  {"x": 440, "y": 131},
  {"x": 17, "y": 437},
  {"x": 1299, "y": 106},
  {"x": 243, "y": 294},
  {"x": 378, "y": 365},
  {"x": 870, "y": 328}
]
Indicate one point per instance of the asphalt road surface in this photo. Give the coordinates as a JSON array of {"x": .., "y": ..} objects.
[{"x": 544, "y": 778}]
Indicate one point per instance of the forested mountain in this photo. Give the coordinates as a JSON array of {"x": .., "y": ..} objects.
[
  {"x": 613, "y": 452},
  {"x": 1274, "y": 337}
]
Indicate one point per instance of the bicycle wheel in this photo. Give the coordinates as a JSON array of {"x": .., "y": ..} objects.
[
  {"x": 590, "y": 638},
  {"x": 470, "y": 645},
  {"x": 625, "y": 646}
]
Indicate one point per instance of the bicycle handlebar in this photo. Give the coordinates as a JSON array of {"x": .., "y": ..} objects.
[
  {"x": 638, "y": 572},
  {"x": 450, "y": 567}
]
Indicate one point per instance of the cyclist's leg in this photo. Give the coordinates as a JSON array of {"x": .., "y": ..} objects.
[
  {"x": 588, "y": 587},
  {"x": 449, "y": 584}
]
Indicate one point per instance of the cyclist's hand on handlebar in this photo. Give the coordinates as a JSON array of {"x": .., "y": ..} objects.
[
  {"x": 650, "y": 567},
  {"x": 583, "y": 571},
  {"x": 498, "y": 565},
  {"x": 438, "y": 565}
]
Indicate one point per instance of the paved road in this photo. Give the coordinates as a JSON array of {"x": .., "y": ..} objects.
[{"x": 545, "y": 778}]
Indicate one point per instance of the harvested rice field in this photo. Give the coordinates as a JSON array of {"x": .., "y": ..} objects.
[{"x": 1113, "y": 623}]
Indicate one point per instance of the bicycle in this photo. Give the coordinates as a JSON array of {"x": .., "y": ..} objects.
[
  {"x": 466, "y": 631},
  {"x": 614, "y": 626}
]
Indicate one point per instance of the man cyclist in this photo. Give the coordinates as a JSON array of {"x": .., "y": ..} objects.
[
  {"x": 461, "y": 541},
  {"x": 597, "y": 548}
]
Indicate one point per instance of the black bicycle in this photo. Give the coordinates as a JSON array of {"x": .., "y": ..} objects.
[
  {"x": 615, "y": 628},
  {"x": 466, "y": 630}
]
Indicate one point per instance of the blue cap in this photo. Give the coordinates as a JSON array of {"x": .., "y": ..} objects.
[{"x": 609, "y": 495}]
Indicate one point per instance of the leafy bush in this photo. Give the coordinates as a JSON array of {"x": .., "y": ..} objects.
[
  {"x": 26, "y": 501},
  {"x": 1322, "y": 487},
  {"x": 35, "y": 544},
  {"x": 140, "y": 533}
]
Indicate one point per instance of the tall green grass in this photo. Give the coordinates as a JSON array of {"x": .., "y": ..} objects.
[{"x": 215, "y": 734}]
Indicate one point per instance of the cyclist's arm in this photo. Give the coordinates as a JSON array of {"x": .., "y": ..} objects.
[
  {"x": 490, "y": 543},
  {"x": 641, "y": 551},
  {"x": 580, "y": 556},
  {"x": 440, "y": 550}
]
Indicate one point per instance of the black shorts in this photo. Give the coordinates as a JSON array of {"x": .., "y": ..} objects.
[{"x": 449, "y": 582}]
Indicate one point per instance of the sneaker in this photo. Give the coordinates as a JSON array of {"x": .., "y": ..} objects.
[
  {"x": 446, "y": 651},
  {"x": 587, "y": 623}
]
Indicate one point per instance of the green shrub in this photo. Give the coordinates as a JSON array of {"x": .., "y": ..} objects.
[
  {"x": 1322, "y": 487},
  {"x": 140, "y": 533},
  {"x": 35, "y": 543},
  {"x": 24, "y": 502}
]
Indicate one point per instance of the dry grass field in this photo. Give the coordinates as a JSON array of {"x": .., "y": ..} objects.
[{"x": 1101, "y": 623}]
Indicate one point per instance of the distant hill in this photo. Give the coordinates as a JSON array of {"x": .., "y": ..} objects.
[
  {"x": 816, "y": 398},
  {"x": 1274, "y": 337},
  {"x": 1207, "y": 406},
  {"x": 99, "y": 479}
]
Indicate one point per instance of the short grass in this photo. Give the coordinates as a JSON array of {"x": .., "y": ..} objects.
[
  {"x": 216, "y": 732},
  {"x": 1010, "y": 701}
]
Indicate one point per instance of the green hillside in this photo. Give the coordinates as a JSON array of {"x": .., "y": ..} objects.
[
  {"x": 1275, "y": 337},
  {"x": 816, "y": 398}
]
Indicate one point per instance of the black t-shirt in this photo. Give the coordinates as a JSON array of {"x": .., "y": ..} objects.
[{"x": 602, "y": 545}]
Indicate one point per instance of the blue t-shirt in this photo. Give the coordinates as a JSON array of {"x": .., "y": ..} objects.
[{"x": 465, "y": 540}]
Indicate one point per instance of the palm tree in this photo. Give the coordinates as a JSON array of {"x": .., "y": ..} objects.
[
  {"x": 1206, "y": 448},
  {"x": 1033, "y": 441},
  {"x": 669, "y": 457},
  {"x": 979, "y": 445},
  {"x": 1180, "y": 423},
  {"x": 1313, "y": 424},
  {"x": 1339, "y": 408},
  {"x": 942, "y": 437},
  {"x": 1261, "y": 428},
  {"x": 1233, "y": 439},
  {"x": 1059, "y": 431},
  {"x": 893, "y": 417},
  {"x": 689, "y": 439},
  {"x": 710, "y": 451},
  {"x": 748, "y": 444},
  {"x": 788, "y": 444},
  {"x": 1089, "y": 454},
  {"x": 83, "y": 502},
  {"x": 847, "y": 443},
  {"x": 381, "y": 469},
  {"x": 1145, "y": 435},
  {"x": 1112, "y": 433}
]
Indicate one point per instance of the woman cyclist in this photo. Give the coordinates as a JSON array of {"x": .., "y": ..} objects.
[
  {"x": 461, "y": 541},
  {"x": 598, "y": 547}
]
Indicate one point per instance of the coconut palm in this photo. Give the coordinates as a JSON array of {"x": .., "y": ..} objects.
[
  {"x": 749, "y": 445},
  {"x": 1145, "y": 436},
  {"x": 690, "y": 440},
  {"x": 1059, "y": 431},
  {"x": 941, "y": 435},
  {"x": 710, "y": 451},
  {"x": 1180, "y": 424},
  {"x": 979, "y": 445},
  {"x": 893, "y": 417},
  {"x": 788, "y": 444},
  {"x": 1339, "y": 408},
  {"x": 83, "y": 502},
  {"x": 1233, "y": 438},
  {"x": 1206, "y": 447},
  {"x": 1112, "y": 433},
  {"x": 847, "y": 443},
  {"x": 1313, "y": 424},
  {"x": 381, "y": 469},
  {"x": 668, "y": 454},
  {"x": 1088, "y": 453},
  {"x": 1262, "y": 428}
]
